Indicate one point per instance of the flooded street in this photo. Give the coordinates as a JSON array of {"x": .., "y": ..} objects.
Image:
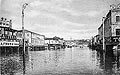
[{"x": 69, "y": 61}]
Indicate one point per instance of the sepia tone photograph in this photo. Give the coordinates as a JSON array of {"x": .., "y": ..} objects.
[{"x": 59, "y": 37}]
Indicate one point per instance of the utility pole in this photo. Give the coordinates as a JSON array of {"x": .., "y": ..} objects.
[{"x": 23, "y": 36}]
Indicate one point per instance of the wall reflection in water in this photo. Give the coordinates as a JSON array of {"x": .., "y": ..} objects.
[
  {"x": 108, "y": 62},
  {"x": 13, "y": 64},
  {"x": 10, "y": 65},
  {"x": 74, "y": 60}
]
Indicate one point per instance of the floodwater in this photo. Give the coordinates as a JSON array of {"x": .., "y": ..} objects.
[{"x": 69, "y": 61}]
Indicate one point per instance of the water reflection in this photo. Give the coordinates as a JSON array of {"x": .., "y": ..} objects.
[
  {"x": 108, "y": 62},
  {"x": 12, "y": 64},
  {"x": 61, "y": 62},
  {"x": 69, "y": 61}
]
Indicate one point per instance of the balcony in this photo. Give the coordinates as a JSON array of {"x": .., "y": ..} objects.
[{"x": 7, "y": 43}]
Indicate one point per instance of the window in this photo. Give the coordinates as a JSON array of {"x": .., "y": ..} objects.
[
  {"x": 0, "y": 30},
  {"x": 27, "y": 34},
  {"x": 118, "y": 32},
  {"x": 3, "y": 23},
  {"x": 117, "y": 18},
  {"x": 118, "y": 46},
  {"x": 6, "y": 32},
  {"x": 0, "y": 23}
]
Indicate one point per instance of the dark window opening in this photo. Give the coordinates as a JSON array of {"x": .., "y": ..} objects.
[
  {"x": 118, "y": 32},
  {"x": 117, "y": 18},
  {"x": 27, "y": 34},
  {"x": 118, "y": 46},
  {"x": 0, "y": 22}
]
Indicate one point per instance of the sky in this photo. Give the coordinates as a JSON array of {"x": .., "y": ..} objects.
[{"x": 68, "y": 19}]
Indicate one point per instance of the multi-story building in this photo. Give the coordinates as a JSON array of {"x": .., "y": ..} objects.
[
  {"x": 11, "y": 38},
  {"x": 32, "y": 39},
  {"x": 8, "y": 42},
  {"x": 111, "y": 24},
  {"x": 7, "y": 34}
]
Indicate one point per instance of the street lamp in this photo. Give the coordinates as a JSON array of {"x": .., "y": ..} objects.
[
  {"x": 23, "y": 37},
  {"x": 23, "y": 30},
  {"x": 104, "y": 45},
  {"x": 103, "y": 33}
]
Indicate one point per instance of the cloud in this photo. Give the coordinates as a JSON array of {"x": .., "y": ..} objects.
[
  {"x": 77, "y": 13},
  {"x": 32, "y": 13},
  {"x": 13, "y": 17},
  {"x": 83, "y": 31},
  {"x": 67, "y": 10},
  {"x": 36, "y": 3},
  {"x": 68, "y": 23},
  {"x": 93, "y": 13},
  {"x": 80, "y": 13},
  {"x": 53, "y": 6},
  {"x": 59, "y": 7},
  {"x": 67, "y": 18},
  {"x": 62, "y": 3},
  {"x": 0, "y": 2}
]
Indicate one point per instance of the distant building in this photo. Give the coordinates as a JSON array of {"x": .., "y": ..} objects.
[
  {"x": 69, "y": 43},
  {"x": 55, "y": 42}
]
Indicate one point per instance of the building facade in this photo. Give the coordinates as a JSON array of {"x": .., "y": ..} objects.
[
  {"x": 7, "y": 34},
  {"x": 111, "y": 26},
  {"x": 55, "y": 42},
  {"x": 32, "y": 39}
]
